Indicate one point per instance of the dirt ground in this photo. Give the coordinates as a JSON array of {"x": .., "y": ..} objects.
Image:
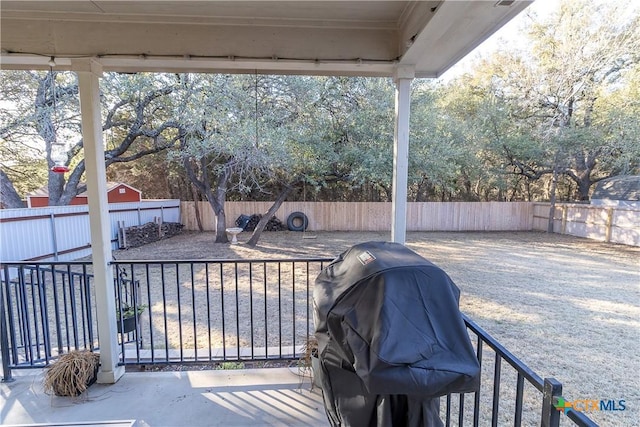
[{"x": 567, "y": 307}]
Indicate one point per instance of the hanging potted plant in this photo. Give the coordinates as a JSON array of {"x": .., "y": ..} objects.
[
  {"x": 127, "y": 310},
  {"x": 128, "y": 316},
  {"x": 72, "y": 373}
]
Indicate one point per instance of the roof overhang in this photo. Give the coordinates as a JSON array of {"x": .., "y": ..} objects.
[{"x": 367, "y": 38}]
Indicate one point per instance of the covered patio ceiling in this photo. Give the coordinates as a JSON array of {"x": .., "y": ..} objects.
[
  {"x": 403, "y": 39},
  {"x": 365, "y": 38}
]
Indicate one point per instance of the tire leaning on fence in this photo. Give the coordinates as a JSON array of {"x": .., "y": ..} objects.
[{"x": 297, "y": 217}]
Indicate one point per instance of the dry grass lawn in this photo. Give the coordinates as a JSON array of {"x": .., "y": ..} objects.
[{"x": 568, "y": 307}]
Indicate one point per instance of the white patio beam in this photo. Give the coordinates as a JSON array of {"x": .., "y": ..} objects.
[
  {"x": 89, "y": 72},
  {"x": 133, "y": 64},
  {"x": 403, "y": 76}
]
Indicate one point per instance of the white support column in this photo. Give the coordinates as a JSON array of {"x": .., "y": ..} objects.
[
  {"x": 89, "y": 72},
  {"x": 403, "y": 77}
]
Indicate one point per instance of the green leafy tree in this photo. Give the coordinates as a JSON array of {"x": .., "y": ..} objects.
[
  {"x": 442, "y": 150},
  {"x": 224, "y": 145},
  {"x": 579, "y": 55},
  {"x": 41, "y": 113},
  {"x": 355, "y": 126},
  {"x": 44, "y": 122}
]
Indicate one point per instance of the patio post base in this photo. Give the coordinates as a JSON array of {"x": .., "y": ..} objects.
[{"x": 110, "y": 377}]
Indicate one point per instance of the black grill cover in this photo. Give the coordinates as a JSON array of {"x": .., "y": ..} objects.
[{"x": 391, "y": 339}]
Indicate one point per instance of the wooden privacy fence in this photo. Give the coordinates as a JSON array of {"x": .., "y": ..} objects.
[
  {"x": 605, "y": 223},
  {"x": 376, "y": 216}
]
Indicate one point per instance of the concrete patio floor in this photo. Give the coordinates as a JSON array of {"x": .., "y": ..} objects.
[{"x": 249, "y": 397}]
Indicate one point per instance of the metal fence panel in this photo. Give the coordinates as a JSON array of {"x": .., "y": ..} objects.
[
  {"x": 27, "y": 233},
  {"x": 63, "y": 232}
]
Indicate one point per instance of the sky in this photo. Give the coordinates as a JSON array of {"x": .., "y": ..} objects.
[
  {"x": 512, "y": 35},
  {"x": 511, "y": 31}
]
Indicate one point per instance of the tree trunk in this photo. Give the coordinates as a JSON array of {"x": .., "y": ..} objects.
[
  {"x": 527, "y": 187},
  {"x": 216, "y": 202},
  {"x": 583, "y": 189},
  {"x": 221, "y": 227},
  {"x": 552, "y": 197},
  {"x": 196, "y": 203},
  {"x": 218, "y": 209},
  {"x": 221, "y": 217},
  {"x": 9, "y": 198},
  {"x": 257, "y": 232},
  {"x": 44, "y": 106},
  {"x": 56, "y": 189}
]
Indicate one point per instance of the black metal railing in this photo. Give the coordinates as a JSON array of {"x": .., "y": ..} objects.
[
  {"x": 46, "y": 309},
  {"x": 522, "y": 398},
  {"x": 219, "y": 310},
  {"x": 184, "y": 311},
  {"x": 227, "y": 311}
]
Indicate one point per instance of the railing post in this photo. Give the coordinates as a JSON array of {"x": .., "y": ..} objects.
[
  {"x": 551, "y": 391},
  {"x": 4, "y": 332}
]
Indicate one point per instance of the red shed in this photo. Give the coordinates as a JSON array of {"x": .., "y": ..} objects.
[{"x": 117, "y": 192}]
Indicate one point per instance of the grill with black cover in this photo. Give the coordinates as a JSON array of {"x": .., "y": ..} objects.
[{"x": 391, "y": 339}]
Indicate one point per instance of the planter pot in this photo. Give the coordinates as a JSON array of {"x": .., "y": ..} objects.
[
  {"x": 64, "y": 391},
  {"x": 72, "y": 373},
  {"x": 127, "y": 325}
]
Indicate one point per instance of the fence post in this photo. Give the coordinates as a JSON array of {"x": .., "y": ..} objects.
[
  {"x": 4, "y": 332},
  {"x": 53, "y": 236},
  {"x": 122, "y": 235},
  {"x": 607, "y": 231},
  {"x": 551, "y": 392}
]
